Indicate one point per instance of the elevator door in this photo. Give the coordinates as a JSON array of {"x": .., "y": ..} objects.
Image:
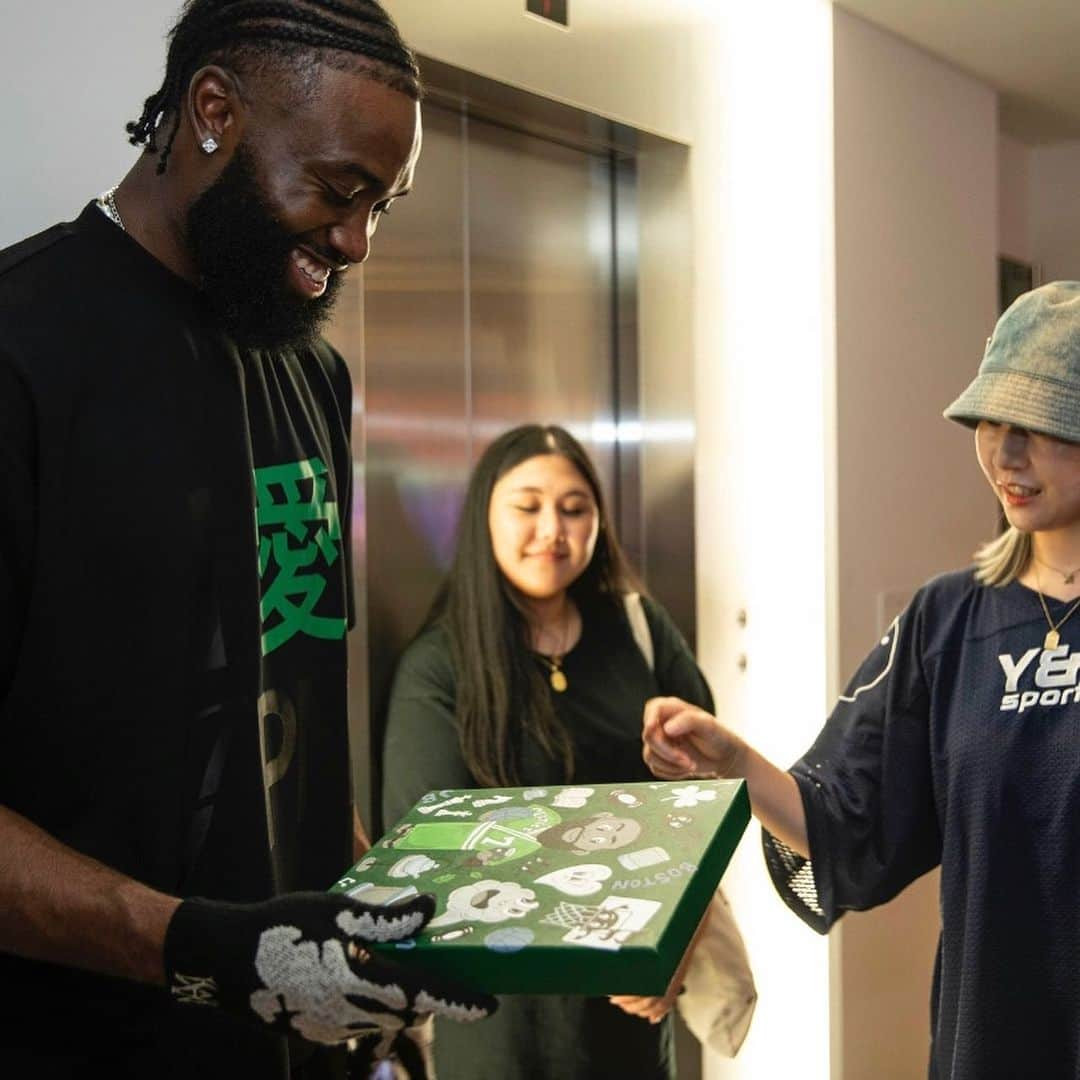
[{"x": 487, "y": 302}]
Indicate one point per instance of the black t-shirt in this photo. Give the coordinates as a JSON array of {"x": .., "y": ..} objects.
[
  {"x": 174, "y": 566},
  {"x": 303, "y": 563},
  {"x": 549, "y": 1037},
  {"x": 958, "y": 742}
]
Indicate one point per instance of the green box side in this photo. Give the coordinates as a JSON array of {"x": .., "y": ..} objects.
[
  {"x": 699, "y": 892},
  {"x": 633, "y": 969}
]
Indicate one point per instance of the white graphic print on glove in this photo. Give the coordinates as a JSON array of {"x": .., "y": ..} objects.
[{"x": 308, "y": 983}]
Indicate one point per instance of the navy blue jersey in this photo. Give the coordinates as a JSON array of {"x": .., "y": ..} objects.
[{"x": 958, "y": 743}]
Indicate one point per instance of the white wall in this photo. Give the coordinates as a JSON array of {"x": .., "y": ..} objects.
[
  {"x": 916, "y": 246},
  {"x": 763, "y": 315},
  {"x": 72, "y": 73}
]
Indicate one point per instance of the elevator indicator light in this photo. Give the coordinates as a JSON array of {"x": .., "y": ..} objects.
[{"x": 555, "y": 10}]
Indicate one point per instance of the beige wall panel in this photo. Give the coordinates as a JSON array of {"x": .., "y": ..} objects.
[
  {"x": 1014, "y": 225},
  {"x": 916, "y": 246},
  {"x": 1054, "y": 177},
  {"x": 627, "y": 60}
]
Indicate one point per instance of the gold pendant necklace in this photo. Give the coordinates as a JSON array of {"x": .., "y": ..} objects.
[
  {"x": 556, "y": 675},
  {"x": 1052, "y": 636},
  {"x": 557, "y": 678},
  {"x": 1068, "y": 578}
]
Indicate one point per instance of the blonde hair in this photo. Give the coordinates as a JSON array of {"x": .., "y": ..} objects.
[{"x": 1002, "y": 560}]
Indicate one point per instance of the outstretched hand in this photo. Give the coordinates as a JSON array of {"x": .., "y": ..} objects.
[
  {"x": 299, "y": 964},
  {"x": 681, "y": 740}
]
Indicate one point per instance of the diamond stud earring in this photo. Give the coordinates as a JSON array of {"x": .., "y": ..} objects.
[{"x": 209, "y": 144}]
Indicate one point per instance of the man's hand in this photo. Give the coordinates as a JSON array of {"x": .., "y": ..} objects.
[
  {"x": 299, "y": 964},
  {"x": 682, "y": 740}
]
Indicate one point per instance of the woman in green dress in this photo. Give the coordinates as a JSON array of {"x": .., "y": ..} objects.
[{"x": 528, "y": 672}]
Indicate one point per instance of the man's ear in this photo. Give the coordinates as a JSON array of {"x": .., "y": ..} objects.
[{"x": 216, "y": 109}]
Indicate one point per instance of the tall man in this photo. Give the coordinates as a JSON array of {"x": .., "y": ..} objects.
[{"x": 174, "y": 573}]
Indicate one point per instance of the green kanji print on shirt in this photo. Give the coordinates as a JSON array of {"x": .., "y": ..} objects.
[{"x": 299, "y": 539}]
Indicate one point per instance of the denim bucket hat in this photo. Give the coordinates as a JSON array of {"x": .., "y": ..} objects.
[{"x": 1030, "y": 372}]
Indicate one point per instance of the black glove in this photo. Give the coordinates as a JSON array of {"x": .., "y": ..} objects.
[{"x": 295, "y": 964}]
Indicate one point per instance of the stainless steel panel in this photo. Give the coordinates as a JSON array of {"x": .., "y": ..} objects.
[
  {"x": 410, "y": 434},
  {"x": 664, "y": 318},
  {"x": 540, "y": 265},
  {"x": 417, "y": 433}
]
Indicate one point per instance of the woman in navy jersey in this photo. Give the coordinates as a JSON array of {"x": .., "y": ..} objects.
[{"x": 957, "y": 742}]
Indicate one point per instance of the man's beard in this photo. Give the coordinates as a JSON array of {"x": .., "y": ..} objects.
[{"x": 242, "y": 253}]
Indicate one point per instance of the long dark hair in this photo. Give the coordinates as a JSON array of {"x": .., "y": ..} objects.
[{"x": 501, "y": 695}]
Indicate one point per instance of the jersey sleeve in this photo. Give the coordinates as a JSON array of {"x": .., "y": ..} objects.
[
  {"x": 420, "y": 750},
  {"x": 18, "y": 512},
  {"x": 676, "y": 670},
  {"x": 866, "y": 788}
]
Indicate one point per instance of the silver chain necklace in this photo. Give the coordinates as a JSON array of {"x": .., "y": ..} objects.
[{"x": 107, "y": 205}]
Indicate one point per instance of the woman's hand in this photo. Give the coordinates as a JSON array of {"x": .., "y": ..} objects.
[
  {"x": 682, "y": 740},
  {"x": 653, "y": 1009}
]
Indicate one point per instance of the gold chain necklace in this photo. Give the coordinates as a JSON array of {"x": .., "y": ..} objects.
[
  {"x": 1068, "y": 578},
  {"x": 1052, "y": 636},
  {"x": 556, "y": 675}
]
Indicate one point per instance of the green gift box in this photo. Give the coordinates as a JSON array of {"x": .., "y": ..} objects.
[{"x": 579, "y": 889}]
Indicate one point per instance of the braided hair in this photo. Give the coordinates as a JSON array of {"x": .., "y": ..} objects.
[{"x": 249, "y": 35}]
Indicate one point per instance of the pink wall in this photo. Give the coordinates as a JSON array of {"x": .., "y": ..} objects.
[{"x": 916, "y": 246}]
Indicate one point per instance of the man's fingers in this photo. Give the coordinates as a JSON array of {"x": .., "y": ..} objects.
[
  {"x": 406, "y": 991},
  {"x": 387, "y": 922},
  {"x": 454, "y": 1002},
  {"x": 415, "y": 992}
]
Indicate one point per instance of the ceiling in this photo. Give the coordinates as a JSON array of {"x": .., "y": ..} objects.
[{"x": 1029, "y": 50}]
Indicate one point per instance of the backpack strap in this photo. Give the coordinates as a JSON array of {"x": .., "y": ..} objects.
[{"x": 639, "y": 626}]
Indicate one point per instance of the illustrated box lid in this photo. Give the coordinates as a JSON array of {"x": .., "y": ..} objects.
[{"x": 558, "y": 889}]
